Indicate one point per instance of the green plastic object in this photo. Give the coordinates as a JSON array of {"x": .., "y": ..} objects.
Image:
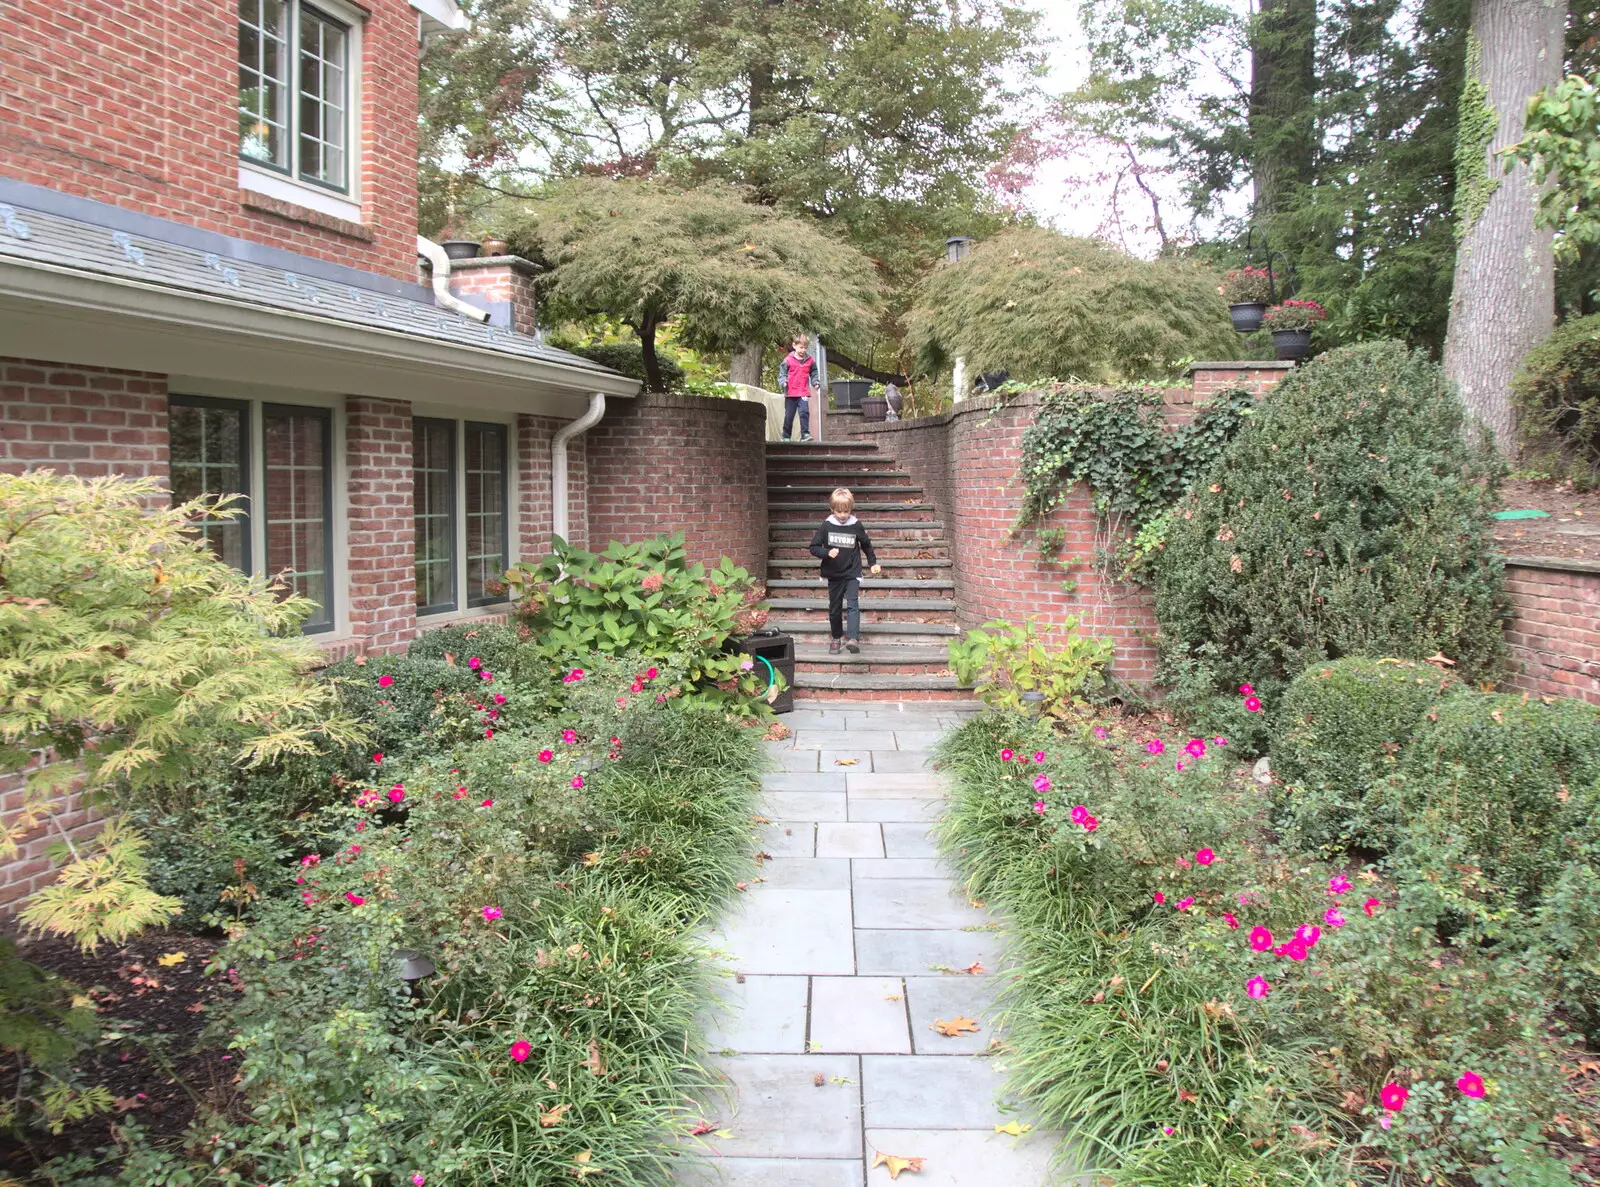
[{"x": 1520, "y": 515}]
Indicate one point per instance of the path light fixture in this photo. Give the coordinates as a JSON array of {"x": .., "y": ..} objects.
[
  {"x": 1033, "y": 701},
  {"x": 411, "y": 966},
  {"x": 958, "y": 248}
]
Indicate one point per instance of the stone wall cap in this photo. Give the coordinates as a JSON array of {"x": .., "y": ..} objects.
[
  {"x": 515, "y": 263},
  {"x": 1558, "y": 564},
  {"x": 1241, "y": 365}
]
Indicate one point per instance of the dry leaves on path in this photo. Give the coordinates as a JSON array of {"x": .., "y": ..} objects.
[
  {"x": 845, "y": 762},
  {"x": 955, "y": 1027},
  {"x": 896, "y": 1164},
  {"x": 1015, "y": 1128}
]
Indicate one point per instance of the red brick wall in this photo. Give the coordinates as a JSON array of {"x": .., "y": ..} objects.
[
  {"x": 499, "y": 280},
  {"x": 29, "y": 869},
  {"x": 135, "y": 103},
  {"x": 662, "y": 464},
  {"x": 88, "y": 421},
  {"x": 382, "y": 526},
  {"x": 1555, "y": 643},
  {"x": 534, "y": 435}
]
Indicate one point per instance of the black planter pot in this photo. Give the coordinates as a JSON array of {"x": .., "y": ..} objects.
[
  {"x": 848, "y": 393},
  {"x": 1247, "y": 315},
  {"x": 1291, "y": 344},
  {"x": 461, "y": 249}
]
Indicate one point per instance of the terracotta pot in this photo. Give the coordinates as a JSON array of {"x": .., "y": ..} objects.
[{"x": 493, "y": 245}]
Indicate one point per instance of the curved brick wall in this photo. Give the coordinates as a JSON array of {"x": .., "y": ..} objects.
[
  {"x": 693, "y": 464},
  {"x": 1555, "y": 647}
]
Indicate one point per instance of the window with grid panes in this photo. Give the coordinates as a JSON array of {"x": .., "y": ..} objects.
[
  {"x": 433, "y": 493},
  {"x": 294, "y": 90},
  {"x": 487, "y": 473},
  {"x": 460, "y": 490}
]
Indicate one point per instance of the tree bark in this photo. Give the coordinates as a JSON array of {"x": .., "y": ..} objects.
[
  {"x": 1282, "y": 125},
  {"x": 745, "y": 366},
  {"x": 652, "y": 365},
  {"x": 1502, "y": 303}
]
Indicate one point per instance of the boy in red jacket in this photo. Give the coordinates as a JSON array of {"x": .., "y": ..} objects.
[{"x": 797, "y": 380}]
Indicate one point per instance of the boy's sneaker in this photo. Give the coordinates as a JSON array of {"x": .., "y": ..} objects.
[
  {"x": 853, "y": 646},
  {"x": 806, "y": 437},
  {"x": 834, "y": 646}
]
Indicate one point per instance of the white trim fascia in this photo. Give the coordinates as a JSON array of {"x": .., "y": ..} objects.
[
  {"x": 68, "y": 293},
  {"x": 440, "y": 16}
]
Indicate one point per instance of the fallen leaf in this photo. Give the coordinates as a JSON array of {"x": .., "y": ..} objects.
[
  {"x": 703, "y": 1128},
  {"x": 361, "y": 661},
  {"x": 973, "y": 969},
  {"x": 896, "y": 1164},
  {"x": 1185, "y": 1096},
  {"x": 891, "y": 997},
  {"x": 1015, "y": 1129},
  {"x": 171, "y": 959},
  {"x": 1439, "y": 660},
  {"x": 845, "y": 762},
  {"x": 550, "y": 1118},
  {"x": 818, "y": 1079},
  {"x": 955, "y": 1027},
  {"x": 124, "y": 1103},
  {"x": 595, "y": 1063},
  {"x": 583, "y": 1170},
  {"x": 1498, "y": 716},
  {"x": 591, "y": 859},
  {"x": 741, "y": 886}
]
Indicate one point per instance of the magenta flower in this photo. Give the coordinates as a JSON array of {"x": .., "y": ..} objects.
[
  {"x": 385, "y": 681},
  {"x": 546, "y": 755},
  {"x": 1079, "y": 814},
  {"x": 1219, "y": 741},
  {"x": 1038, "y": 807},
  {"x": 418, "y": 1179},
  {"x": 474, "y": 663},
  {"x": 354, "y": 899},
  {"x": 569, "y": 736},
  {"x": 1184, "y": 904},
  {"x": 1229, "y": 919},
  {"x": 488, "y": 733},
  {"x": 1332, "y": 917},
  {"x": 1260, "y": 939},
  {"x": 396, "y": 794},
  {"x": 1308, "y": 934},
  {"x": 461, "y": 793},
  {"x": 1369, "y": 905},
  {"x": 486, "y": 677},
  {"x": 377, "y": 759},
  {"x": 1038, "y": 756},
  {"x": 487, "y": 804},
  {"x": 1155, "y": 746},
  {"x": 1007, "y": 755},
  {"x": 638, "y": 686},
  {"x": 1257, "y": 987},
  {"x": 1338, "y": 884},
  {"x": 1295, "y": 949},
  {"x": 311, "y": 859},
  {"x": 1196, "y": 747},
  {"x": 1041, "y": 783},
  {"x": 577, "y": 782},
  {"x": 1204, "y": 857},
  {"x": 1101, "y": 732},
  {"x": 651, "y": 674},
  {"x": 1393, "y": 1096},
  {"x": 1253, "y": 704},
  {"x": 1090, "y": 824},
  {"x": 1182, "y": 863},
  {"x": 499, "y": 698},
  {"x": 1168, "y": 1130},
  {"x": 491, "y": 913},
  {"x": 1470, "y": 1084},
  {"x": 520, "y": 1050},
  {"x": 1178, "y": 765},
  {"x": 1159, "y": 898}
]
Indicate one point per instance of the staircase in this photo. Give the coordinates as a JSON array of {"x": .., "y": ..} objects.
[{"x": 908, "y": 614}]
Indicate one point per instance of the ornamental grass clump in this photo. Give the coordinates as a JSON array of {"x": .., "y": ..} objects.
[{"x": 1348, "y": 517}]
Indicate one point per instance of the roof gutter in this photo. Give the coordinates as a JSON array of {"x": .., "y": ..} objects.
[
  {"x": 443, "y": 297},
  {"x": 558, "y": 461}
]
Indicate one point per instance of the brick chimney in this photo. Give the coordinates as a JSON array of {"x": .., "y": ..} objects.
[{"x": 501, "y": 284}]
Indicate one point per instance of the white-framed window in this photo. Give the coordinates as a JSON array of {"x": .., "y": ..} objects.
[
  {"x": 280, "y": 458},
  {"x": 461, "y": 494},
  {"x": 298, "y": 76}
]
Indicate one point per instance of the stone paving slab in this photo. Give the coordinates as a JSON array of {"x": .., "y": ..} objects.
[
  {"x": 856, "y": 1014},
  {"x": 914, "y": 953},
  {"x": 930, "y": 1092},
  {"x": 911, "y": 738},
  {"x": 828, "y": 739},
  {"x": 796, "y": 761},
  {"x": 899, "y": 867},
  {"x": 790, "y": 931},
  {"x": 908, "y": 760},
  {"x": 760, "y": 1014},
  {"x": 788, "y": 838},
  {"x": 908, "y": 840},
  {"x": 803, "y": 805},
  {"x": 900, "y": 785},
  {"x": 829, "y": 759},
  {"x": 849, "y": 840},
  {"x": 932, "y": 903},
  {"x": 803, "y": 873},
  {"x": 930, "y": 999},
  {"x": 771, "y": 1172},
  {"x": 970, "y": 1158},
  {"x": 804, "y": 781},
  {"x": 896, "y": 811},
  {"x": 778, "y": 1111}
]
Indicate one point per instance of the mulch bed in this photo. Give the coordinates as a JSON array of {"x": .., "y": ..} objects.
[
  {"x": 1572, "y": 531},
  {"x": 149, "y": 1055}
]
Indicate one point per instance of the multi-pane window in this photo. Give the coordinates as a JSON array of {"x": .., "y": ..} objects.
[
  {"x": 460, "y": 489},
  {"x": 294, "y": 90},
  {"x": 279, "y": 460}
]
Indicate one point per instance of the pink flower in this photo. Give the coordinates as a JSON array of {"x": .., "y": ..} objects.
[
  {"x": 1038, "y": 808},
  {"x": 616, "y": 741},
  {"x": 1041, "y": 783},
  {"x": 1338, "y": 884},
  {"x": 1332, "y": 917},
  {"x": 1038, "y": 756},
  {"x": 1159, "y": 898},
  {"x": 1229, "y": 919},
  {"x": 487, "y": 804},
  {"x": 1393, "y": 1096},
  {"x": 661, "y": 698},
  {"x": 636, "y": 686},
  {"x": 1155, "y": 746},
  {"x": 418, "y": 1179},
  {"x": 488, "y": 733},
  {"x": 1090, "y": 824},
  {"x": 1079, "y": 814},
  {"x": 1100, "y": 731},
  {"x": 1253, "y": 704},
  {"x": 1245, "y": 690},
  {"x": 396, "y": 794},
  {"x": 377, "y": 759},
  {"x": 474, "y": 663},
  {"x": 1257, "y": 987},
  {"x": 1308, "y": 934},
  {"x": 461, "y": 793},
  {"x": 385, "y": 681},
  {"x": 652, "y": 582},
  {"x": 354, "y": 899},
  {"x": 1219, "y": 741},
  {"x": 499, "y": 698},
  {"x": 577, "y": 782},
  {"x": 1295, "y": 949},
  {"x": 1178, "y": 765},
  {"x": 546, "y": 755},
  {"x": 1168, "y": 1130},
  {"x": 1204, "y": 857},
  {"x": 569, "y": 736},
  {"x": 1471, "y": 1084},
  {"x": 1369, "y": 905},
  {"x": 494, "y": 715},
  {"x": 1184, "y": 904},
  {"x": 622, "y": 702},
  {"x": 1007, "y": 755},
  {"x": 311, "y": 859},
  {"x": 520, "y": 1050},
  {"x": 491, "y": 913},
  {"x": 1196, "y": 747},
  {"x": 651, "y": 674},
  {"x": 1183, "y": 863},
  {"x": 1260, "y": 939},
  {"x": 486, "y": 677}
]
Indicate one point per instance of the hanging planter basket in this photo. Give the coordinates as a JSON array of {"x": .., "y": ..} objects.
[
  {"x": 1247, "y": 315},
  {"x": 1291, "y": 344}
]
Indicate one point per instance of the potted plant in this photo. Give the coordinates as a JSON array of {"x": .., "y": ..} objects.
[
  {"x": 875, "y": 404},
  {"x": 1291, "y": 323},
  {"x": 848, "y": 393},
  {"x": 1247, "y": 291}
]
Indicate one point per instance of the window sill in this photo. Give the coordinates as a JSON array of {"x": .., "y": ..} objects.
[
  {"x": 287, "y": 199},
  {"x": 497, "y": 614}
]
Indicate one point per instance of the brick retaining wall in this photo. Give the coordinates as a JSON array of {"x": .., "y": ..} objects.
[{"x": 1555, "y": 645}]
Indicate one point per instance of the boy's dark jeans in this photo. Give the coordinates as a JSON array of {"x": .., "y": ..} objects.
[
  {"x": 844, "y": 601},
  {"x": 791, "y": 405}
]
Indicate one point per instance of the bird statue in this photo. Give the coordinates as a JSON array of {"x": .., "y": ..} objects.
[{"x": 892, "y": 397}]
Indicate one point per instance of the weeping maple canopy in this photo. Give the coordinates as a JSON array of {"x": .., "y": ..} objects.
[{"x": 1040, "y": 304}]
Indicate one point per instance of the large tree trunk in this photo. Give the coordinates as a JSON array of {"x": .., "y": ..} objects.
[
  {"x": 1503, "y": 300},
  {"x": 1282, "y": 123},
  {"x": 653, "y": 381},
  {"x": 745, "y": 366}
]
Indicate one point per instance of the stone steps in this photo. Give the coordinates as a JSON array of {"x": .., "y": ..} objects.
[
  {"x": 873, "y": 606},
  {"x": 904, "y": 555},
  {"x": 911, "y": 587},
  {"x": 915, "y": 529}
]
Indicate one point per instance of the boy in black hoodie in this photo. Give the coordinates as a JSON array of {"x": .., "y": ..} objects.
[{"x": 839, "y": 544}]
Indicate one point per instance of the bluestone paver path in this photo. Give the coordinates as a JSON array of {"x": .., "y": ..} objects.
[{"x": 855, "y": 942}]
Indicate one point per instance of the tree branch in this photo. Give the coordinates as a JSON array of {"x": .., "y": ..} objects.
[{"x": 849, "y": 364}]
